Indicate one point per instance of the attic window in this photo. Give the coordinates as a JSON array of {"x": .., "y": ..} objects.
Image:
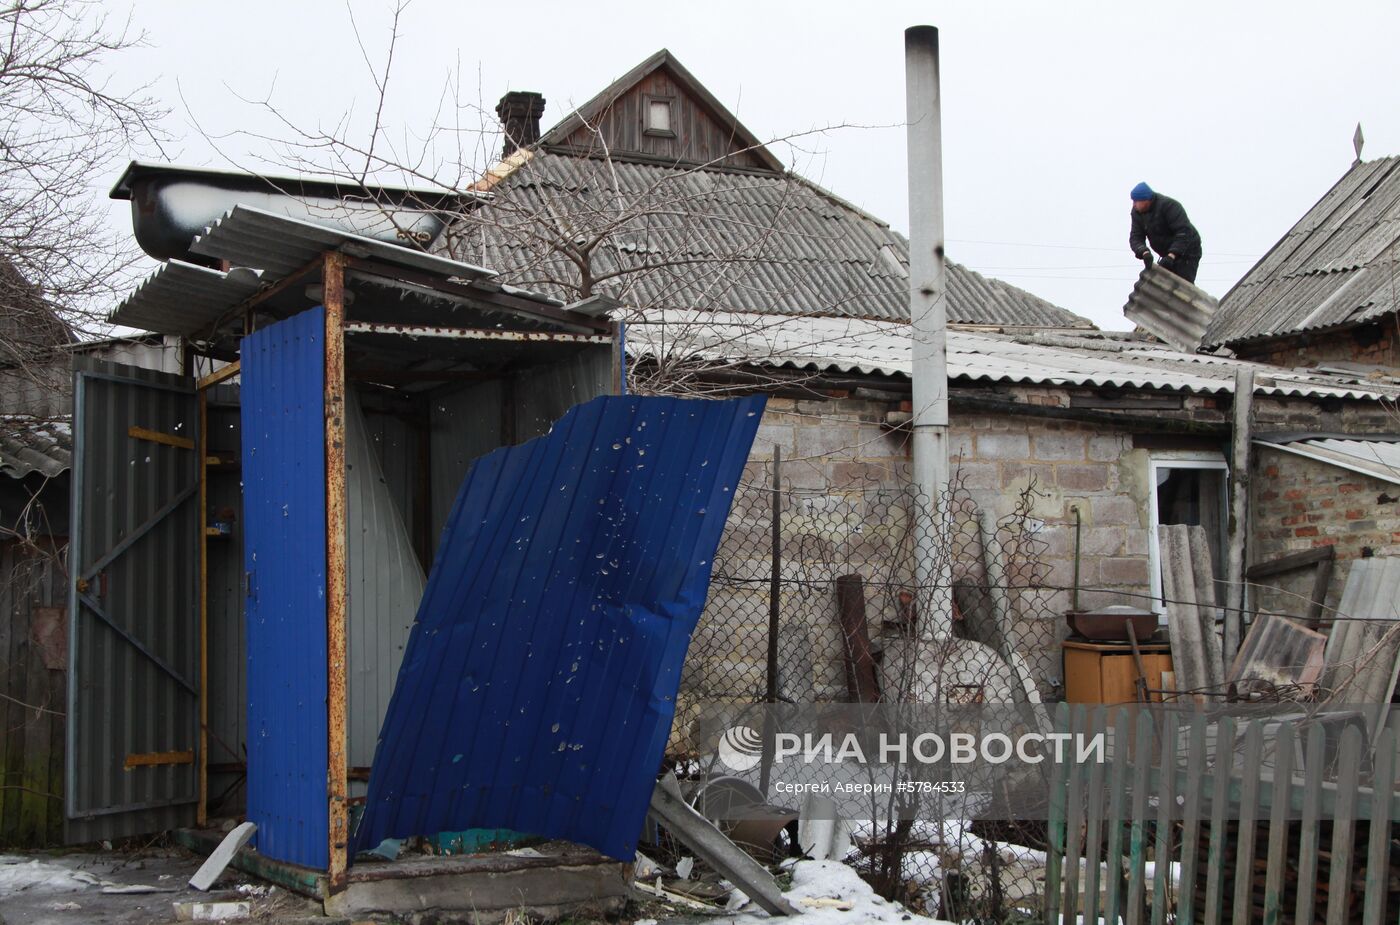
[{"x": 656, "y": 114}]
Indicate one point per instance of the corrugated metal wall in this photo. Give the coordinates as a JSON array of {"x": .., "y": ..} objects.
[
  {"x": 540, "y": 679},
  {"x": 228, "y": 664},
  {"x": 469, "y": 422},
  {"x": 134, "y": 631},
  {"x": 385, "y": 584},
  {"x": 33, "y": 659},
  {"x": 284, "y": 511}
]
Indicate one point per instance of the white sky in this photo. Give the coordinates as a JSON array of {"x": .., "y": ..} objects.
[{"x": 1052, "y": 110}]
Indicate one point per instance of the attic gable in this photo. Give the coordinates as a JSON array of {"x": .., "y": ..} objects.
[{"x": 658, "y": 112}]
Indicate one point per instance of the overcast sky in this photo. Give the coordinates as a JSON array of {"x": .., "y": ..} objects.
[{"x": 1052, "y": 111}]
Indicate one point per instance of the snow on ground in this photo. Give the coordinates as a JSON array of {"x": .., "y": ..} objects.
[
  {"x": 814, "y": 883},
  {"x": 41, "y": 876}
]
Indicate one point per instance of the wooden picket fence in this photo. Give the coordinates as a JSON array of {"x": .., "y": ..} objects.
[{"x": 1198, "y": 821}]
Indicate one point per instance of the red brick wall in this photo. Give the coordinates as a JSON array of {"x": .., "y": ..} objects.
[
  {"x": 1372, "y": 344},
  {"x": 1299, "y": 504}
]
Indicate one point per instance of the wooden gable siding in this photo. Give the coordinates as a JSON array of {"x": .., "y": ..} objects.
[{"x": 699, "y": 137}]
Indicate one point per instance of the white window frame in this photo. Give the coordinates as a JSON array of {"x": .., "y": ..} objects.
[{"x": 1175, "y": 459}]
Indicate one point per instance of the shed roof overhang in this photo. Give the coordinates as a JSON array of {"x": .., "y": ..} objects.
[{"x": 275, "y": 269}]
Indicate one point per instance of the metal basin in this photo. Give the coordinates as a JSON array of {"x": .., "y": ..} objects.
[{"x": 1111, "y": 623}]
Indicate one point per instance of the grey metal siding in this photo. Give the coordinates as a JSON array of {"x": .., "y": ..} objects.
[
  {"x": 123, "y": 701},
  {"x": 385, "y": 584}
]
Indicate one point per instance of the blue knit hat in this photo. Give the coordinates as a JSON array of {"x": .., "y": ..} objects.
[{"x": 1142, "y": 192}]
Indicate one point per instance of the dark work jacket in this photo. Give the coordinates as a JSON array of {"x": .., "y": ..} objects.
[{"x": 1166, "y": 227}]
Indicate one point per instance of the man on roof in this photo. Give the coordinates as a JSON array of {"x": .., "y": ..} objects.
[{"x": 1161, "y": 222}]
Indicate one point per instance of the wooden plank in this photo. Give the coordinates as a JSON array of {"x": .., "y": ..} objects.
[
  {"x": 1219, "y": 813},
  {"x": 1249, "y": 803},
  {"x": 156, "y": 759},
  {"x": 1074, "y": 819},
  {"x": 1166, "y": 808},
  {"x": 1378, "y": 845},
  {"x": 1117, "y": 788},
  {"x": 1344, "y": 827},
  {"x": 1191, "y": 819},
  {"x": 1094, "y": 808},
  {"x": 1313, "y": 768},
  {"x": 1054, "y": 861},
  {"x": 1137, "y": 833},
  {"x": 155, "y": 436},
  {"x": 1238, "y": 523},
  {"x": 1282, "y": 799},
  {"x": 220, "y": 375},
  {"x": 1322, "y": 579},
  {"x": 1290, "y": 562}
]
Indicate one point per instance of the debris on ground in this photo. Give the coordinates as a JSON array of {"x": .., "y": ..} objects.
[
  {"x": 129, "y": 888},
  {"x": 832, "y": 893}
]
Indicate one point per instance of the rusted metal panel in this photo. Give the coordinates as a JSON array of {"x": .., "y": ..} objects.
[
  {"x": 285, "y": 560},
  {"x": 337, "y": 605},
  {"x": 437, "y": 331},
  {"x": 539, "y": 684}
]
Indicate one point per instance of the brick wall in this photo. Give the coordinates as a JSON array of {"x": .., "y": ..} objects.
[
  {"x": 842, "y": 448},
  {"x": 1372, "y": 344},
  {"x": 1299, "y": 504}
]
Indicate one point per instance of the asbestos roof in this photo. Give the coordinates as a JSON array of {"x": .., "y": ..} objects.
[
  {"x": 1334, "y": 268},
  {"x": 1377, "y": 458},
  {"x": 1170, "y": 308},
  {"x": 182, "y": 298},
  {"x": 715, "y": 239},
  {"x": 1098, "y": 359},
  {"x": 29, "y": 445},
  {"x": 263, "y": 248},
  {"x": 279, "y": 246}
]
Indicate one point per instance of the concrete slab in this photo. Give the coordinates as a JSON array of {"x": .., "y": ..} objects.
[
  {"x": 564, "y": 880},
  {"x": 222, "y": 856}
]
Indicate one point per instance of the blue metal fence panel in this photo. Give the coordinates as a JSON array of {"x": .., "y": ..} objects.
[
  {"x": 539, "y": 684},
  {"x": 284, "y": 511}
]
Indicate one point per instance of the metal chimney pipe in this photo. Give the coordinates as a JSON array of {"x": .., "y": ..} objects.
[{"x": 928, "y": 312}]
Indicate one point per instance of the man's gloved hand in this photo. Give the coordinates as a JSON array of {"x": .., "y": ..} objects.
[
  {"x": 1146, "y": 258},
  {"x": 1168, "y": 261}
]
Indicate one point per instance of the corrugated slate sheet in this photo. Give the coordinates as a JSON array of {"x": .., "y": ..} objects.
[
  {"x": 539, "y": 684},
  {"x": 182, "y": 298},
  {"x": 39, "y": 445},
  {"x": 280, "y": 245},
  {"x": 756, "y": 243},
  {"x": 1377, "y": 458},
  {"x": 1101, "y": 359},
  {"x": 1334, "y": 267},
  {"x": 284, "y": 535},
  {"x": 1170, "y": 308}
]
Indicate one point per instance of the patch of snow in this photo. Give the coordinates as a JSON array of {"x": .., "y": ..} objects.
[
  {"x": 832, "y": 880},
  {"x": 41, "y": 876}
]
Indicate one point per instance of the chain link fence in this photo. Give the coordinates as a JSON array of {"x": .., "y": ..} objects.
[{"x": 870, "y": 593}]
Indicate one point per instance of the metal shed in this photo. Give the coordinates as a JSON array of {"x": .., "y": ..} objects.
[{"x": 370, "y": 376}]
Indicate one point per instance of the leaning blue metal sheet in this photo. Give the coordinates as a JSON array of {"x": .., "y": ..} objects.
[{"x": 539, "y": 683}]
